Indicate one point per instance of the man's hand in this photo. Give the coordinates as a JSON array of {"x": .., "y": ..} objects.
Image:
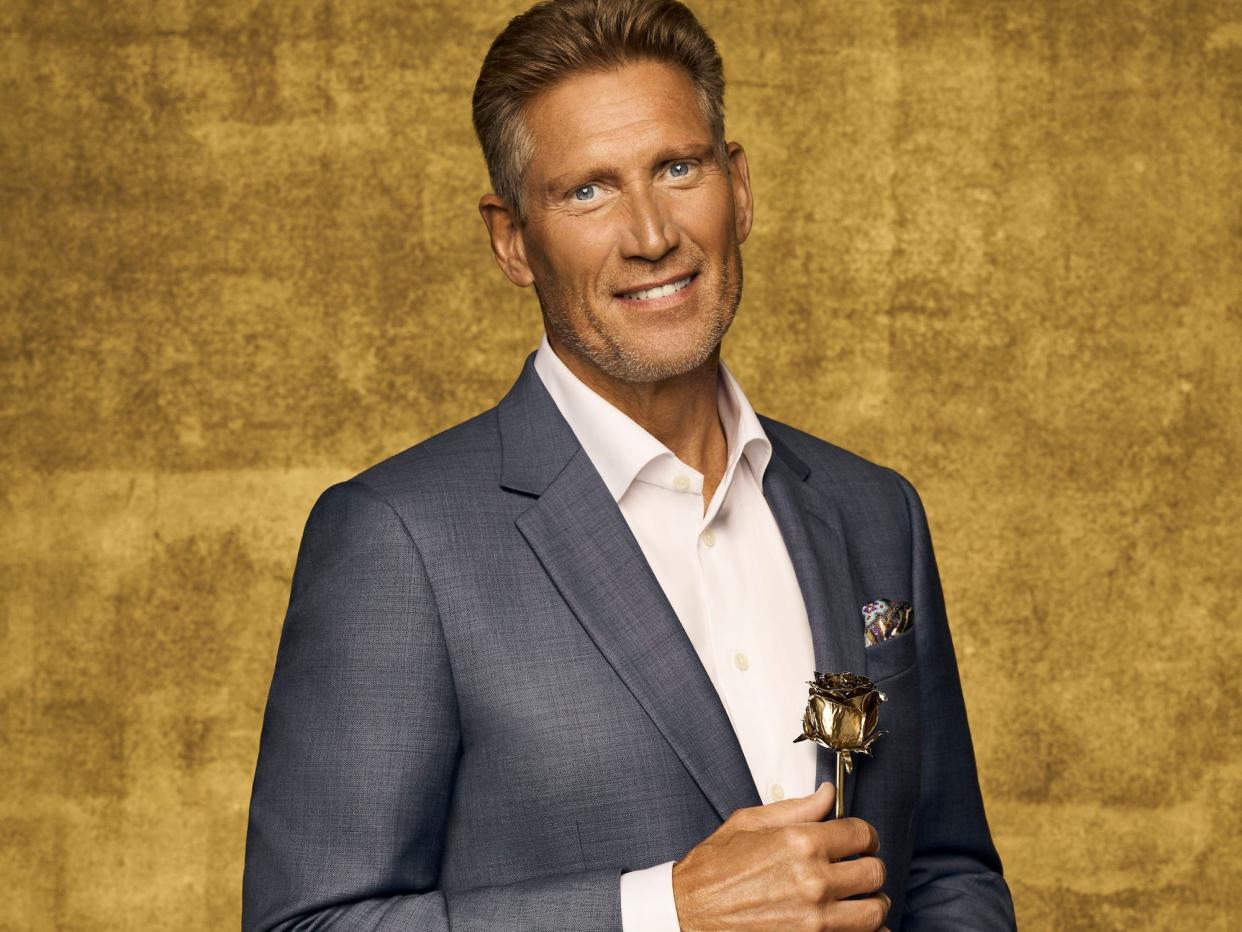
[{"x": 778, "y": 867}]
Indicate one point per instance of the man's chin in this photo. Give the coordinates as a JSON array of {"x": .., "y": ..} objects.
[
  {"x": 640, "y": 351},
  {"x": 654, "y": 363}
]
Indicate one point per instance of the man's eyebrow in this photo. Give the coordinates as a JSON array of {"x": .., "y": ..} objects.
[{"x": 561, "y": 183}]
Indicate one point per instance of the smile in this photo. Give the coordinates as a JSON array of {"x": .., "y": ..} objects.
[{"x": 661, "y": 291}]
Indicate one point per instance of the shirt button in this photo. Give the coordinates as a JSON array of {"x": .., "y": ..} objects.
[
  {"x": 708, "y": 537},
  {"x": 740, "y": 661},
  {"x": 681, "y": 483},
  {"x": 778, "y": 791}
]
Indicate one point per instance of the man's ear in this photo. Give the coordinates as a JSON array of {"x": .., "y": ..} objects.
[
  {"x": 743, "y": 200},
  {"x": 508, "y": 247}
]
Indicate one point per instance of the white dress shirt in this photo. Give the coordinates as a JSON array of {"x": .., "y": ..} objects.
[{"x": 729, "y": 578}]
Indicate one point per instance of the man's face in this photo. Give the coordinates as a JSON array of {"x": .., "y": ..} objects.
[{"x": 624, "y": 193}]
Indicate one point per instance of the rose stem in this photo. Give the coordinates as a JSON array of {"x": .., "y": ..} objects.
[{"x": 840, "y": 784}]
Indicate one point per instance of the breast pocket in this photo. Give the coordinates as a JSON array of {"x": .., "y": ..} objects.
[{"x": 891, "y": 657}]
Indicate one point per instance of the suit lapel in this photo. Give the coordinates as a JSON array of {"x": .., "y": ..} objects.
[
  {"x": 585, "y": 545},
  {"x": 583, "y": 542},
  {"x": 812, "y": 531}
]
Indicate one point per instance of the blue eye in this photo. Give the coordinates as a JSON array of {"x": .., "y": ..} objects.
[
  {"x": 585, "y": 187},
  {"x": 683, "y": 175}
]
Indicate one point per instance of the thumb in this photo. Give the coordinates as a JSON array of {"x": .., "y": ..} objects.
[{"x": 814, "y": 807}]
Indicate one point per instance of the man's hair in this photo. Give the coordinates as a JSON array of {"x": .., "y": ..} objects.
[{"x": 555, "y": 39}]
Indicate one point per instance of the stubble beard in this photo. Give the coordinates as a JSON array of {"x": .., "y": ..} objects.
[{"x": 626, "y": 364}]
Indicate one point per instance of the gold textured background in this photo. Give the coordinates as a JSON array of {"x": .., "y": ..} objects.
[{"x": 997, "y": 247}]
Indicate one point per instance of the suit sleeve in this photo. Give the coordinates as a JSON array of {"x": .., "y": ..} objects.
[
  {"x": 956, "y": 880},
  {"x": 359, "y": 748}
]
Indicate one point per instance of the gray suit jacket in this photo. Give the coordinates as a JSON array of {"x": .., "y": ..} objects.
[{"x": 484, "y": 708}]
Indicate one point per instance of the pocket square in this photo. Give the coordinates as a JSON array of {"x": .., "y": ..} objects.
[{"x": 886, "y": 618}]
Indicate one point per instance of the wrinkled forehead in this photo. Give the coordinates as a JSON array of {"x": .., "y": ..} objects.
[{"x": 601, "y": 113}]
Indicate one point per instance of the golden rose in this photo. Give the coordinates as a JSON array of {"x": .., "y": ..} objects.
[{"x": 841, "y": 714}]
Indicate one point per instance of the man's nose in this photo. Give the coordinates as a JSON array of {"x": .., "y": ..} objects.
[{"x": 650, "y": 231}]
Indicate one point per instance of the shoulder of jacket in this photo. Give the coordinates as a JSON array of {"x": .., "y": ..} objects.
[
  {"x": 462, "y": 459},
  {"x": 833, "y": 464}
]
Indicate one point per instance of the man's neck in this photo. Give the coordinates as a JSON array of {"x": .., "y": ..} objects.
[{"x": 681, "y": 411}]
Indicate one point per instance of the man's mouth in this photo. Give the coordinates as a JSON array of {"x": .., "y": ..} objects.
[{"x": 659, "y": 291}]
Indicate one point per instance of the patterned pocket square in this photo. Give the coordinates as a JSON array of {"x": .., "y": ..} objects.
[{"x": 886, "y": 618}]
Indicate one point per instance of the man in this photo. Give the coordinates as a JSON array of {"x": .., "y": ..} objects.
[{"x": 544, "y": 670}]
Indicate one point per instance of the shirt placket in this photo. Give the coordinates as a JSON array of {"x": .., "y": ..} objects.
[{"x": 744, "y": 666}]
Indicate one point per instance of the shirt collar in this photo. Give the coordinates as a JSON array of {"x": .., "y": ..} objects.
[{"x": 619, "y": 448}]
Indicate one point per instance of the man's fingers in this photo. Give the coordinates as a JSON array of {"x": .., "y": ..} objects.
[
  {"x": 813, "y": 807},
  {"x": 851, "y": 836},
  {"x": 868, "y": 913},
  {"x": 850, "y": 878}
]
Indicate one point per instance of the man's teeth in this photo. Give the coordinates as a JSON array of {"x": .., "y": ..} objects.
[{"x": 670, "y": 288}]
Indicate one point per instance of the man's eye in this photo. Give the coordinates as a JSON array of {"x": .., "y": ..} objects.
[
  {"x": 676, "y": 174},
  {"x": 585, "y": 187}
]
